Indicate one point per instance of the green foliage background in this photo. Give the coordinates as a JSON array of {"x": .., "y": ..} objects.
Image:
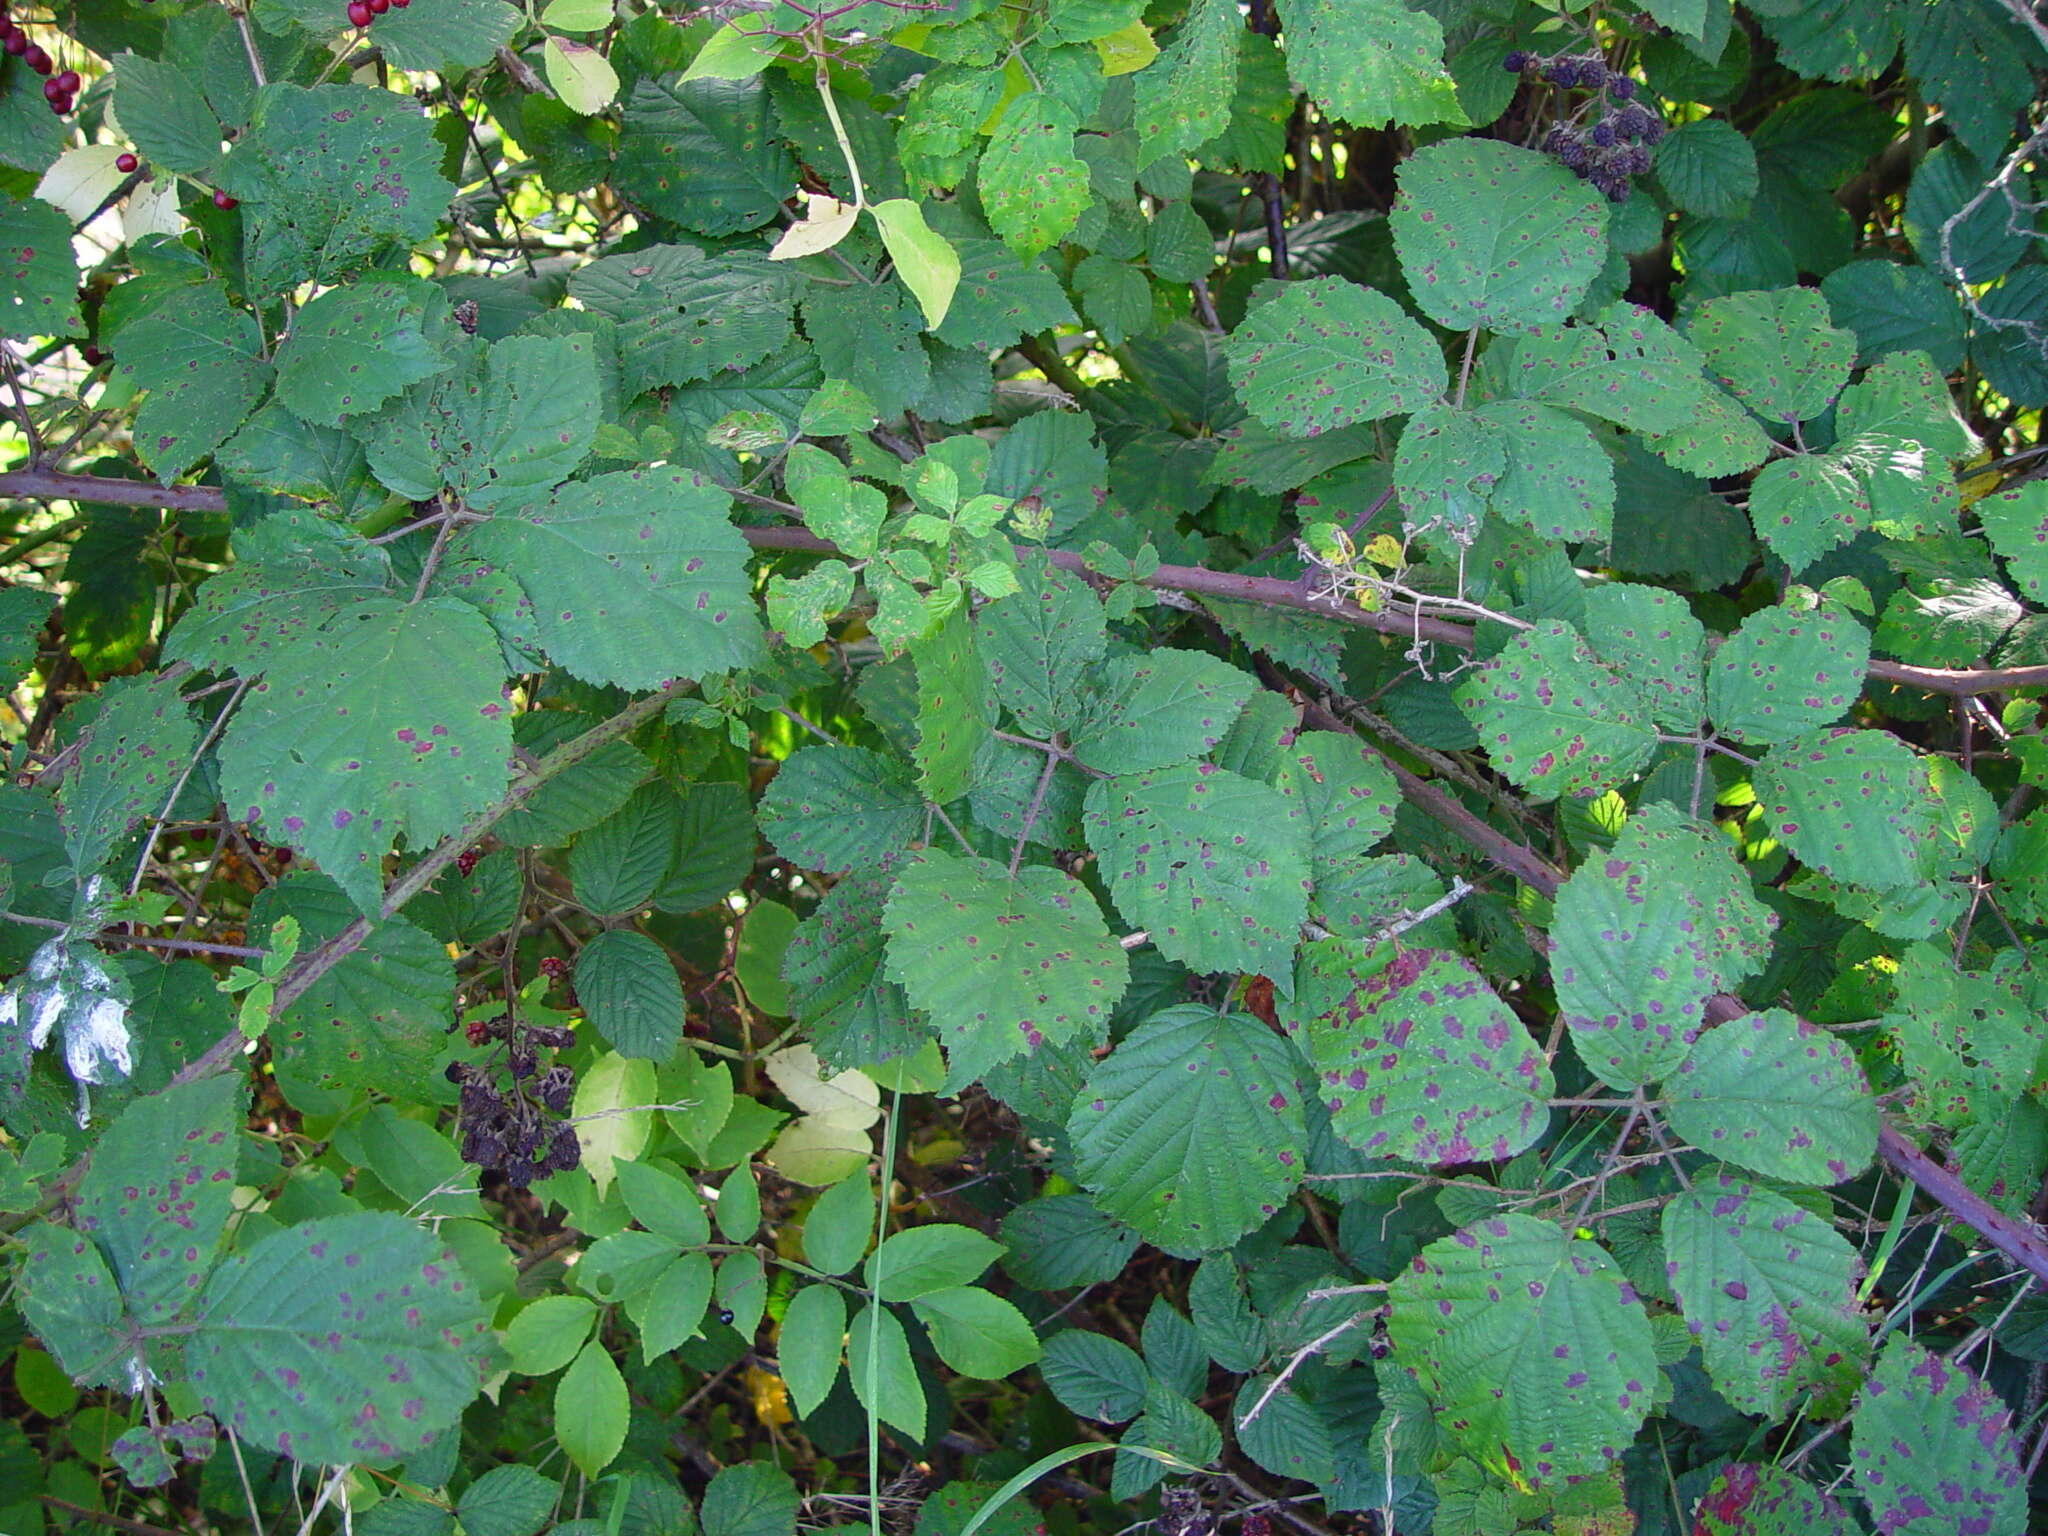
[{"x": 769, "y": 769}]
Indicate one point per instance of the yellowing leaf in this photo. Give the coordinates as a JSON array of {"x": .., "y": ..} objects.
[
  {"x": 827, "y": 222},
  {"x": 813, "y": 1150},
  {"x": 581, "y": 76},
  {"x": 612, "y": 1123},
  {"x": 850, "y": 1099},
  {"x": 1126, "y": 50},
  {"x": 925, "y": 259},
  {"x": 732, "y": 54},
  {"x": 770, "y": 1395},
  {"x": 152, "y": 209},
  {"x": 81, "y": 179}
]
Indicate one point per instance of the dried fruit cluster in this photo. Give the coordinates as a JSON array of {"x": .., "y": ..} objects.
[
  {"x": 1608, "y": 139},
  {"x": 515, "y": 1128}
]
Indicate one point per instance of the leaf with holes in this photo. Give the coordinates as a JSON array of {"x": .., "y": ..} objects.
[
  {"x": 1554, "y": 718},
  {"x": 137, "y": 750},
  {"x": 1768, "y": 1288},
  {"x": 1626, "y": 366},
  {"x": 1784, "y": 672},
  {"x": 1775, "y": 351},
  {"x": 1417, "y": 1056},
  {"x": 1494, "y": 235},
  {"x": 1855, "y": 805},
  {"x": 1932, "y": 1448},
  {"x": 1530, "y": 1345},
  {"x": 636, "y": 577},
  {"x": 1191, "y": 1131},
  {"x": 836, "y": 808},
  {"x": 38, "y": 276},
  {"x": 288, "y": 1357},
  {"x": 1327, "y": 353},
  {"x": 1447, "y": 468},
  {"x": 1778, "y": 1095},
  {"x": 1215, "y": 866},
  {"x": 500, "y": 427},
  {"x": 1002, "y": 963},
  {"x": 1159, "y": 708},
  {"x": 1972, "y": 1041}
]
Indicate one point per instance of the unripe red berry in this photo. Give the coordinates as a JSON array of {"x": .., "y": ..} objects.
[
  {"x": 60, "y": 105},
  {"x": 16, "y": 43},
  {"x": 69, "y": 82},
  {"x": 223, "y": 202},
  {"x": 126, "y": 163},
  {"x": 93, "y": 356},
  {"x": 52, "y": 91},
  {"x": 37, "y": 60},
  {"x": 554, "y": 967},
  {"x": 379, "y": 7},
  {"x": 358, "y": 13},
  {"x": 9, "y": 29}
]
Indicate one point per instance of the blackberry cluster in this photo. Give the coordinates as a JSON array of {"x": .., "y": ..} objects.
[
  {"x": 1608, "y": 139},
  {"x": 60, "y": 87},
  {"x": 514, "y": 1129}
]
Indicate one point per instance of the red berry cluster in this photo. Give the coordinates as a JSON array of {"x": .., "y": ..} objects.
[
  {"x": 60, "y": 87},
  {"x": 465, "y": 862},
  {"x": 513, "y": 1129},
  {"x": 362, "y": 12},
  {"x": 554, "y": 967}
]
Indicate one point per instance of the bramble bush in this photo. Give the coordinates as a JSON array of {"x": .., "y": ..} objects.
[{"x": 768, "y": 768}]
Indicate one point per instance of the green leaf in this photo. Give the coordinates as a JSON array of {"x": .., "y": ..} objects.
[
  {"x": 1748, "y": 1498},
  {"x": 701, "y": 154},
  {"x": 547, "y": 1333},
  {"x": 837, "y": 808},
  {"x": 416, "y": 1163},
  {"x": 615, "y": 866},
  {"x": 1748, "y": 1264},
  {"x": 1040, "y": 643},
  {"x": 379, "y": 1016},
  {"x": 1494, "y": 235},
  {"x": 165, "y": 115},
  {"x": 70, "y": 1302},
  {"x": 581, "y": 76},
  {"x": 1894, "y": 308},
  {"x": 976, "y": 1333},
  {"x": 712, "y": 850},
  {"x": 1370, "y": 62},
  {"x": 684, "y": 315},
  {"x": 1059, "y": 1241},
  {"x": 1708, "y": 167},
  {"x": 1215, "y": 866},
  {"x": 330, "y": 176},
  {"x": 631, "y": 992},
  {"x": 1557, "y": 481},
  {"x": 1855, "y": 805},
  {"x": 354, "y": 347},
  {"x": 1628, "y": 367},
  {"x": 286, "y": 1313},
  {"x": 1446, "y": 469},
  {"x": 1032, "y": 187},
  {"x": 591, "y": 1409},
  {"x": 1327, "y": 353},
  {"x": 1288, "y": 1438},
  {"x": 927, "y": 263},
  {"x": 38, "y": 278},
  {"x": 505, "y": 423},
  {"x": 636, "y": 577},
  {"x": 1775, "y": 351},
  {"x": 1418, "y": 1058},
  {"x": 1191, "y": 1131},
  {"x": 1553, "y": 718},
  {"x": 1003, "y": 964},
  {"x": 996, "y": 298},
  {"x": 663, "y": 1204},
  {"x": 507, "y": 1501},
  {"x": 336, "y": 763},
  {"x": 750, "y": 1498},
  {"x": 1905, "y": 395},
  {"x": 135, "y": 754},
  {"x": 952, "y": 716},
  {"x": 1931, "y": 1447},
  {"x": 879, "y": 1366},
  {"x": 202, "y": 362},
  {"x": 1778, "y": 1096},
  {"x": 810, "y": 1344},
  {"x": 445, "y": 36},
  {"x": 1784, "y": 672},
  {"x": 838, "y": 988},
  {"x": 1172, "y": 1424},
  {"x": 1184, "y": 95},
  {"x": 1053, "y": 456},
  {"x": 732, "y": 52},
  {"x": 1529, "y": 1344},
  {"x": 278, "y": 452},
  {"x": 1159, "y": 709},
  {"x": 2016, "y": 522},
  {"x": 1655, "y": 635},
  {"x": 158, "y": 1193},
  {"x": 1094, "y": 1376}
]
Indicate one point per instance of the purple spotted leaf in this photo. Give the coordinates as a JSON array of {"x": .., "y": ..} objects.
[
  {"x": 156, "y": 1197},
  {"x": 1643, "y": 934},
  {"x": 1347, "y": 792},
  {"x": 202, "y": 362},
  {"x": 1213, "y": 865},
  {"x": 1327, "y": 353},
  {"x": 1768, "y": 1289},
  {"x": 70, "y": 1301},
  {"x": 1448, "y": 466},
  {"x": 133, "y": 756},
  {"x": 1530, "y": 1345},
  {"x": 1856, "y": 805},
  {"x": 1191, "y": 1131},
  {"x": 1778, "y": 1095},
  {"x": 1038, "y": 643},
  {"x": 1558, "y": 482},
  {"x": 293, "y": 571},
  {"x": 1654, "y": 634},
  {"x": 144, "y": 1453},
  {"x": 1932, "y": 1449},
  {"x": 636, "y": 577},
  {"x": 838, "y": 989},
  {"x": 1775, "y": 351},
  {"x": 353, "y": 1338},
  {"x": 356, "y": 346},
  {"x": 1160, "y": 708},
  {"x": 953, "y": 709},
  {"x": 1415, "y": 1055},
  {"x": 1494, "y": 235},
  {"x": 1554, "y": 718},
  {"x": 1627, "y": 367},
  {"x": 1003, "y": 963},
  {"x": 1784, "y": 672},
  {"x": 1972, "y": 1041},
  {"x": 836, "y": 808},
  {"x": 2016, "y": 521},
  {"x": 1748, "y": 1498}
]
